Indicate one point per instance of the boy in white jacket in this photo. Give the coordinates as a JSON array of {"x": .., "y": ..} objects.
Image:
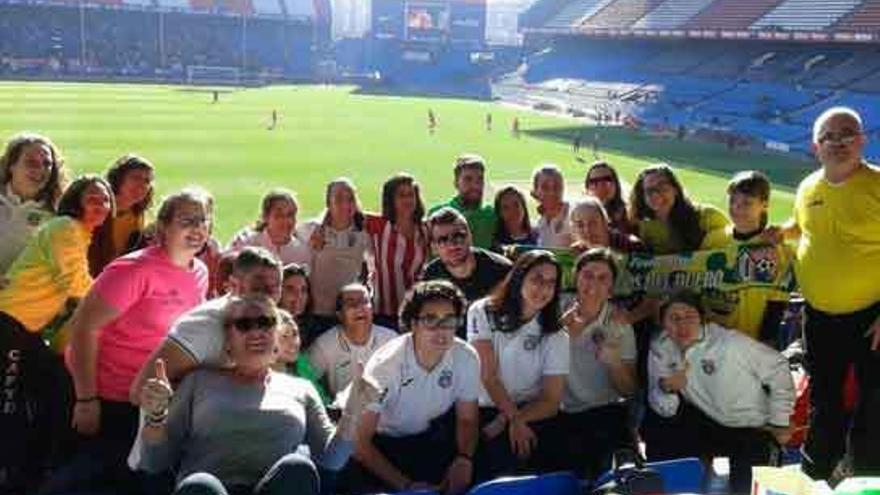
[{"x": 714, "y": 391}]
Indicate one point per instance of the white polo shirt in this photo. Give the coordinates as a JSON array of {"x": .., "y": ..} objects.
[
  {"x": 524, "y": 356},
  {"x": 588, "y": 384},
  {"x": 333, "y": 355},
  {"x": 412, "y": 396},
  {"x": 296, "y": 250},
  {"x": 339, "y": 262},
  {"x": 555, "y": 232},
  {"x": 199, "y": 332}
]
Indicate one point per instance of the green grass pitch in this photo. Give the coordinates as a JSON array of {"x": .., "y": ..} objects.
[{"x": 327, "y": 132}]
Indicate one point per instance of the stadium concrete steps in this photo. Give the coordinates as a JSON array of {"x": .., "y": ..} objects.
[
  {"x": 620, "y": 14},
  {"x": 538, "y": 13},
  {"x": 731, "y": 14},
  {"x": 866, "y": 18},
  {"x": 806, "y": 15},
  {"x": 671, "y": 14},
  {"x": 574, "y": 12}
]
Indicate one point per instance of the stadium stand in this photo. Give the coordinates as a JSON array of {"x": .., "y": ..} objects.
[
  {"x": 268, "y": 7},
  {"x": 864, "y": 18},
  {"x": 671, "y": 14},
  {"x": 140, "y": 3},
  {"x": 805, "y": 15},
  {"x": 156, "y": 41},
  {"x": 731, "y": 14},
  {"x": 766, "y": 92},
  {"x": 574, "y": 12},
  {"x": 174, "y": 5},
  {"x": 297, "y": 8},
  {"x": 539, "y": 12},
  {"x": 620, "y": 14}
]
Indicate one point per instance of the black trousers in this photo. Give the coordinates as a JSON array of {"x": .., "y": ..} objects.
[
  {"x": 421, "y": 457},
  {"x": 584, "y": 442},
  {"x": 691, "y": 433},
  {"x": 100, "y": 463},
  {"x": 834, "y": 343},
  {"x": 495, "y": 457},
  {"x": 35, "y": 406}
]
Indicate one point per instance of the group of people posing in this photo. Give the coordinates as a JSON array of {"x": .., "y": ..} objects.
[{"x": 362, "y": 352}]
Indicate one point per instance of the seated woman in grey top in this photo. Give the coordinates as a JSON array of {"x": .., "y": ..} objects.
[{"x": 237, "y": 430}]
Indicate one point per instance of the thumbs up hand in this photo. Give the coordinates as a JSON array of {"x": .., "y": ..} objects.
[{"x": 156, "y": 393}]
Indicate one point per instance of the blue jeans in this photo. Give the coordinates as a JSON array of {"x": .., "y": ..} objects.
[{"x": 293, "y": 474}]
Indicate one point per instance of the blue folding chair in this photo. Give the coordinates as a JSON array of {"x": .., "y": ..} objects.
[
  {"x": 678, "y": 475},
  {"x": 562, "y": 483}
]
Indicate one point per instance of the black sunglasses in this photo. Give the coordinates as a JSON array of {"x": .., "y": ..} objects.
[
  {"x": 454, "y": 238},
  {"x": 246, "y": 324}
]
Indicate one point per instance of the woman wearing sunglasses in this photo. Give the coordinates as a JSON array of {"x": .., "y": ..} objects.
[
  {"x": 603, "y": 183},
  {"x": 421, "y": 432},
  {"x": 236, "y": 430}
]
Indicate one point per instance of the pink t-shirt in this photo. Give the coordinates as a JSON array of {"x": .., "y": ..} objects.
[{"x": 150, "y": 293}]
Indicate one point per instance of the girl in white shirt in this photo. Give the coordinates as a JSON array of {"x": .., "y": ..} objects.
[
  {"x": 276, "y": 230},
  {"x": 341, "y": 247},
  {"x": 524, "y": 361}
]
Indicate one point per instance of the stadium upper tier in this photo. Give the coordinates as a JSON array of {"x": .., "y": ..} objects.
[
  {"x": 300, "y": 9},
  {"x": 679, "y": 18},
  {"x": 770, "y": 92}
]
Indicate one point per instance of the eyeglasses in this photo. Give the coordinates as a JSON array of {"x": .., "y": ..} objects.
[
  {"x": 595, "y": 181},
  {"x": 246, "y": 324},
  {"x": 846, "y": 139},
  {"x": 440, "y": 322},
  {"x": 192, "y": 221},
  {"x": 455, "y": 238}
]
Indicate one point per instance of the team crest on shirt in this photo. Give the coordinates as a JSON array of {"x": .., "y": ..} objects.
[
  {"x": 530, "y": 343},
  {"x": 758, "y": 264},
  {"x": 708, "y": 366},
  {"x": 445, "y": 380}
]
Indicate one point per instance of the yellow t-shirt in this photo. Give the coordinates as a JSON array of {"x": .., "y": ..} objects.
[
  {"x": 52, "y": 269},
  {"x": 659, "y": 239},
  {"x": 838, "y": 256},
  {"x": 747, "y": 305}
]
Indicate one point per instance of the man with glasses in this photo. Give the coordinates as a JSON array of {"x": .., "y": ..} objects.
[
  {"x": 469, "y": 184},
  {"x": 421, "y": 431},
  {"x": 837, "y": 222},
  {"x": 338, "y": 351},
  {"x": 475, "y": 271}
]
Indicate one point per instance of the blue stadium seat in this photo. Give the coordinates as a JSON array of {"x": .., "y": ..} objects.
[
  {"x": 679, "y": 475},
  {"x": 563, "y": 483}
]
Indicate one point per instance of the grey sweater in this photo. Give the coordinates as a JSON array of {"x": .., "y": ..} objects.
[{"x": 238, "y": 431}]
